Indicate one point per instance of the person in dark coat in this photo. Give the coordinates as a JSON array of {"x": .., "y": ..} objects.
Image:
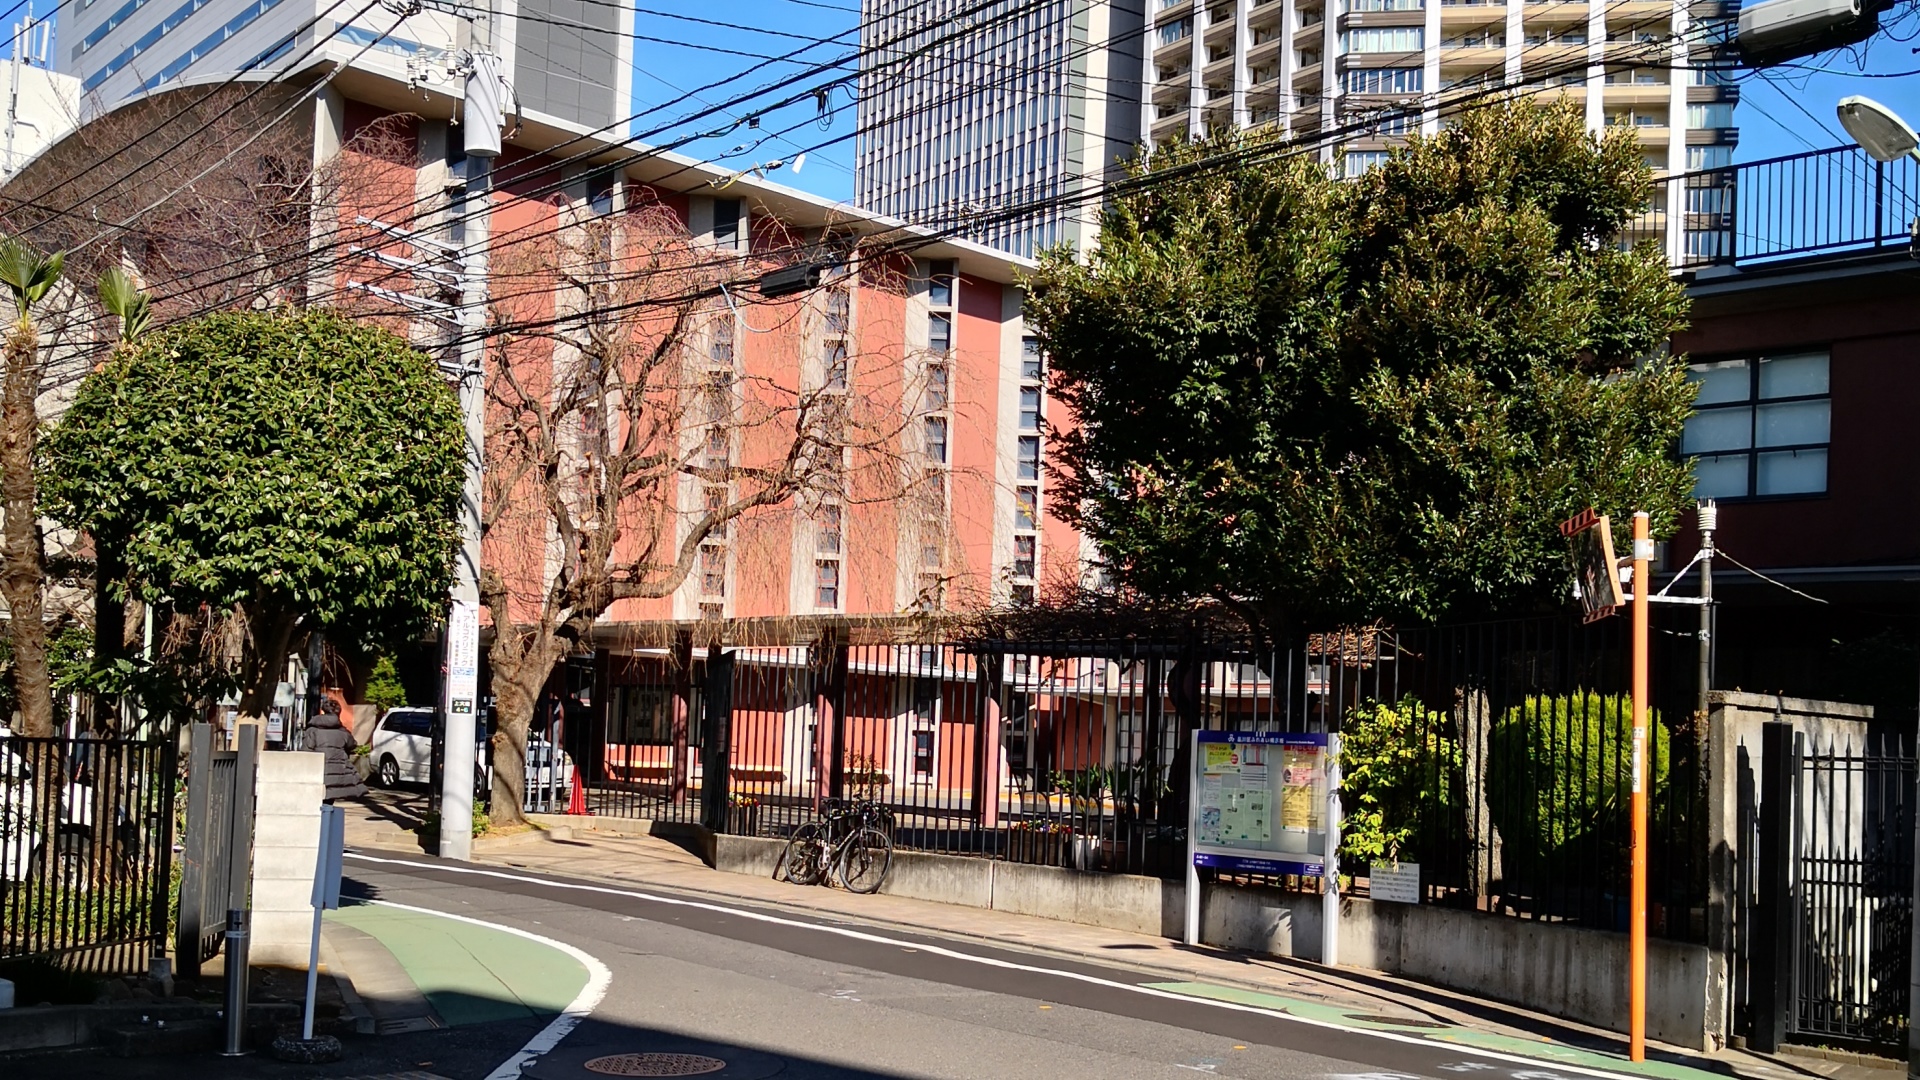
[{"x": 326, "y": 734}]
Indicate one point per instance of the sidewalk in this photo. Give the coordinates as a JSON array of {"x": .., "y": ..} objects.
[{"x": 598, "y": 849}]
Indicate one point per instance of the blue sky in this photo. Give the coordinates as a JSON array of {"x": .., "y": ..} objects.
[
  {"x": 682, "y": 48},
  {"x": 665, "y": 72},
  {"x": 1774, "y": 104}
]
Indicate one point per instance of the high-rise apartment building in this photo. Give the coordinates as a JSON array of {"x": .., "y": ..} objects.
[
  {"x": 1363, "y": 74},
  {"x": 1002, "y": 121}
]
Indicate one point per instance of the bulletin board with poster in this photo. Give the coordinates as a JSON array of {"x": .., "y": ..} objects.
[{"x": 1259, "y": 802}]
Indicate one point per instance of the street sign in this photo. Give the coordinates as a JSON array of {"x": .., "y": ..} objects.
[
  {"x": 1596, "y": 577},
  {"x": 327, "y": 865},
  {"x": 463, "y": 657}
]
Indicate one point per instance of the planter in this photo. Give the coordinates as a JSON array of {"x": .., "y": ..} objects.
[
  {"x": 363, "y": 766},
  {"x": 743, "y": 821},
  {"x": 1039, "y": 848}
]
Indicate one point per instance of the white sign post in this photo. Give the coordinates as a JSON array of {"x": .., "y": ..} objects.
[
  {"x": 1330, "y": 883},
  {"x": 326, "y": 895},
  {"x": 457, "y": 751}
]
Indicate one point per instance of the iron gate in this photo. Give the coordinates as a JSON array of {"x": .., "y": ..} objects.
[
  {"x": 1835, "y": 928},
  {"x": 217, "y": 860}
]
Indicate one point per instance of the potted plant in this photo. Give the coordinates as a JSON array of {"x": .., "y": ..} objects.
[
  {"x": 865, "y": 776},
  {"x": 1087, "y": 789},
  {"x": 743, "y": 815},
  {"x": 362, "y": 758},
  {"x": 1039, "y": 842}
]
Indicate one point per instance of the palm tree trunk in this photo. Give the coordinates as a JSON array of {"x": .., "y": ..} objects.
[{"x": 20, "y": 561}]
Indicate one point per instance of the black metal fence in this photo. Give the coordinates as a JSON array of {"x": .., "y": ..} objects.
[
  {"x": 1823, "y": 202},
  {"x": 1076, "y": 753},
  {"x": 86, "y": 838},
  {"x": 1834, "y": 941},
  {"x": 1504, "y": 772}
]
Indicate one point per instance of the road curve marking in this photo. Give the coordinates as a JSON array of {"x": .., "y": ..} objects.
[
  {"x": 598, "y": 979},
  {"x": 1007, "y": 965}
]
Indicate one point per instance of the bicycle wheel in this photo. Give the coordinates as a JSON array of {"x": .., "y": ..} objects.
[
  {"x": 804, "y": 860},
  {"x": 864, "y": 860}
]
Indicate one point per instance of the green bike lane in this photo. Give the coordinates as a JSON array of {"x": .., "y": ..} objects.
[{"x": 468, "y": 972}]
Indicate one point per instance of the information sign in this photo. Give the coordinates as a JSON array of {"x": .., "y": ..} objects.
[{"x": 1260, "y": 802}]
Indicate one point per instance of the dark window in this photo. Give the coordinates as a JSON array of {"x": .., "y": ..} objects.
[
  {"x": 939, "y": 332},
  {"x": 726, "y": 223},
  {"x": 940, "y": 281},
  {"x": 1023, "y": 551},
  {"x": 1031, "y": 361},
  {"x": 1029, "y": 457},
  {"x": 923, "y": 753}
]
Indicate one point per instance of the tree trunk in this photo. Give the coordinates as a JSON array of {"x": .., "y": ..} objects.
[
  {"x": 521, "y": 661},
  {"x": 272, "y": 639},
  {"x": 20, "y": 562},
  {"x": 109, "y": 628}
]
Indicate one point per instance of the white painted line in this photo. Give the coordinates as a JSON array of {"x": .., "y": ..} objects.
[
  {"x": 598, "y": 979},
  {"x": 988, "y": 961}
]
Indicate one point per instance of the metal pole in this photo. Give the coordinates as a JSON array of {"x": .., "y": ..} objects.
[
  {"x": 482, "y": 133},
  {"x": 1330, "y": 894},
  {"x": 1192, "y": 935},
  {"x": 313, "y": 976},
  {"x": 236, "y": 1004},
  {"x": 1637, "y": 911},
  {"x": 1709, "y": 518}
]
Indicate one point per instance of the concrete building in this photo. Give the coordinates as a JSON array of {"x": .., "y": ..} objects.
[
  {"x": 43, "y": 106},
  {"x": 1366, "y": 73},
  {"x": 1020, "y": 105},
  {"x": 568, "y": 60}
]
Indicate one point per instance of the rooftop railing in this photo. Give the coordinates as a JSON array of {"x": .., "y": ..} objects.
[{"x": 1820, "y": 203}]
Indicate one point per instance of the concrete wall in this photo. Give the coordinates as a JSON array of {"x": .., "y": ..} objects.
[
  {"x": 286, "y": 842},
  {"x": 1572, "y": 973}
]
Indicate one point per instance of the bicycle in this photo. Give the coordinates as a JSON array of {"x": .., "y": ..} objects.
[{"x": 852, "y": 841}]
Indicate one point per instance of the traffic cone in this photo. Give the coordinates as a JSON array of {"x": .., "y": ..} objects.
[{"x": 577, "y": 804}]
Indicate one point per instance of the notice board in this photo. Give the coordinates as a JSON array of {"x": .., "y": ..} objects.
[{"x": 1259, "y": 802}]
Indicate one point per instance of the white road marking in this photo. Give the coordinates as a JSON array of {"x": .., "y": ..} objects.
[
  {"x": 598, "y": 979},
  {"x": 994, "y": 962}
]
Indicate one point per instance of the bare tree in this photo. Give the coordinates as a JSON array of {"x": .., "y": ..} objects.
[{"x": 624, "y": 441}]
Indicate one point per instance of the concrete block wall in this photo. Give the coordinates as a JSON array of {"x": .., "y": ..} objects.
[
  {"x": 286, "y": 841},
  {"x": 1571, "y": 973}
]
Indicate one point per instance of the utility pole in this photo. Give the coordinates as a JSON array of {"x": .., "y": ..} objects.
[
  {"x": 1709, "y": 519},
  {"x": 1637, "y": 899},
  {"x": 482, "y": 116}
]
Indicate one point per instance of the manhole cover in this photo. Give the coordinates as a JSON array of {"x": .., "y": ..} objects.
[{"x": 654, "y": 1065}]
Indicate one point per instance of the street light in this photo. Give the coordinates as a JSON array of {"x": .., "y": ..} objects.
[{"x": 1878, "y": 129}]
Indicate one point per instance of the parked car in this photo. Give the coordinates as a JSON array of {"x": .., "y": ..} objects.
[
  {"x": 402, "y": 753},
  {"x": 23, "y": 831}
]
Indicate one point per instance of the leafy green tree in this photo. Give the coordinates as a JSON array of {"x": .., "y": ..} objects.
[
  {"x": 1318, "y": 399},
  {"x": 384, "y": 688},
  {"x": 28, "y": 276},
  {"x": 296, "y": 470}
]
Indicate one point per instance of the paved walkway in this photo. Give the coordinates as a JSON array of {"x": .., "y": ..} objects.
[{"x": 597, "y": 849}]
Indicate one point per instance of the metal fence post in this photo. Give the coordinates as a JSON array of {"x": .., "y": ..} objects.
[
  {"x": 717, "y": 765},
  {"x": 194, "y": 880},
  {"x": 1774, "y": 915}
]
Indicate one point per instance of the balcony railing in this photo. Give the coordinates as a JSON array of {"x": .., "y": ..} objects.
[{"x": 1820, "y": 203}]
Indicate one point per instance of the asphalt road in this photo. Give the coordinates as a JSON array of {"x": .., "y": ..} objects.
[{"x": 773, "y": 993}]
